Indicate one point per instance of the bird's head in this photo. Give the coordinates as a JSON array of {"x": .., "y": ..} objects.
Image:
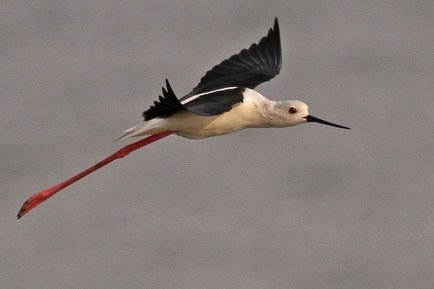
[{"x": 293, "y": 112}]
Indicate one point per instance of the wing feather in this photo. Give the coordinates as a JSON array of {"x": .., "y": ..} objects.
[
  {"x": 249, "y": 68},
  {"x": 222, "y": 87}
]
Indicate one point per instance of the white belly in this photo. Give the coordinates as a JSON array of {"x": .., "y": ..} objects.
[{"x": 195, "y": 126}]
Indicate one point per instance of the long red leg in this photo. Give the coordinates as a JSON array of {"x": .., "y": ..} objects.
[{"x": 38, "y": 198}]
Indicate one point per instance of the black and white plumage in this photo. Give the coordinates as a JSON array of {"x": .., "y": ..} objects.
[{"x": 224, "y": 100}]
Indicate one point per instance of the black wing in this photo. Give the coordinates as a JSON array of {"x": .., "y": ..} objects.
[
  {"x": 207, "y": 104},
  {"x": 167, "y": 105},
  {"x": 215, "y": 102},
  {"x": 249, "y": 68},
  {"x": 222, "y": 87}
]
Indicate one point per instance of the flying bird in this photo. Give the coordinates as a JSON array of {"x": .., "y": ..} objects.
[{"x": 223, "y": 102}]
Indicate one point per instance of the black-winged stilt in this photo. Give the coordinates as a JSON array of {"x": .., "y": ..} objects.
[{"x": 223, "y": 102}]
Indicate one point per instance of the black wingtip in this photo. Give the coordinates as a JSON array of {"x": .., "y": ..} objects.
[
  {"x": 278, "y": 45},
  {"x": 166, "y": 105},
  {"x": 275, "y": 29},
  {"x": 169, "y": 88},
  {"x": 252, "y": 66}
]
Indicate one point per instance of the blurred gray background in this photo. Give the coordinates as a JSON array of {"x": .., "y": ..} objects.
[{"x": 304, "y": 207}]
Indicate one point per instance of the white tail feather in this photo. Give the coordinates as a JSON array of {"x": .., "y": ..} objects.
[{"x": 143, "y": 128}]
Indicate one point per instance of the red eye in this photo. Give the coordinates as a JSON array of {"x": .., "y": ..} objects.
[{"x": 292, "y": 110}]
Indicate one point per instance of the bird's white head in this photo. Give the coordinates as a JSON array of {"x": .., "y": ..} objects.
[{"x": 293, "y": 112}]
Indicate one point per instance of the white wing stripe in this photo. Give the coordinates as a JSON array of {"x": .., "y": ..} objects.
[{"x": 196, "y": 96}]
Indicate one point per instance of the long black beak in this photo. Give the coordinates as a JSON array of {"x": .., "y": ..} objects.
[{"x": 310, "y": 118}]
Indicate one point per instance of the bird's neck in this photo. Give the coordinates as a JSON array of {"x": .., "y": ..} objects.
[
  {"x": 273, "y": 114},
  {"x": 262, "y": 112}
]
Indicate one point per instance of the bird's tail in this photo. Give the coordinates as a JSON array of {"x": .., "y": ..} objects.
[{"x": 143, "y": 128}]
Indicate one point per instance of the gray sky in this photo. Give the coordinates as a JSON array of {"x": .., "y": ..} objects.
[{"x": 304, "y": 207}]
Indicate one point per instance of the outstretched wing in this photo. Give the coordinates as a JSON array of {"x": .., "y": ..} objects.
[
  {"x": 207, "y": 104},
  {"x": 167, "y": 105},
  {"x": 249, "y": 68},
  {"x": 222, "y": 87}
]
